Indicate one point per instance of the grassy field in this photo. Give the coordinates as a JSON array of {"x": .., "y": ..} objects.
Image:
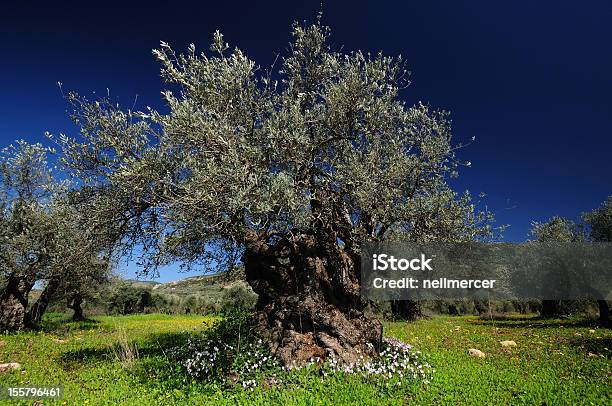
[{"x": 554, "y": 362}]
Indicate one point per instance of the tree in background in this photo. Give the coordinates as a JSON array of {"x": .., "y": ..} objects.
[
  {"x": 44, "y": 240},
  {"x": 124, "y": 297},
  {"x": 82, "y": 267},
  {"x": 27, "y": 228},
  {"x": 556, "y": 229},
  {"x": 290, "y": 170},
  {"x": 238, "y": 296},
  {"x": 600, "y": 223}
]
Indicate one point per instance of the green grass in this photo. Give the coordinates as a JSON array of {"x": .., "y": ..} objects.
[{"x": 550, "y": 365}]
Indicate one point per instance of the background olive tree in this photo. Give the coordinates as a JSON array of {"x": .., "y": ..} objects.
[
  {"x": 562, "y": 230},
  {"x": 44, "y": 239},
  {"x": 27, "y": 229},
  {"x": 597, "y": 228},
  {"x": 81, "y": 273},
  {"x": 600, "y": 224}
]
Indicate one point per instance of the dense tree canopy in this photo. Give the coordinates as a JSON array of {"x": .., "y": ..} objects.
[
  {"x": 240, "y": 151},
  {"x": 291, "y": 168},
  {"x": 556, "y": 230}
]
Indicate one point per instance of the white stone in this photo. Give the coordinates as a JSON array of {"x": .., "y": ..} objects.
[
  {"x": 10, "y": 366},
  {"x": 476, "y": 353},
  {"x": 508, "y": 343}
]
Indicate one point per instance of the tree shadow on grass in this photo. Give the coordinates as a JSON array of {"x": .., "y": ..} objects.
[
  {"x": 154, "y": 367},
  {"x": 58, "y": 325},
  {"x": 154, "y": 346},
  {"x": 535, "y": 322},
  {"x": 593, "y": 346}
]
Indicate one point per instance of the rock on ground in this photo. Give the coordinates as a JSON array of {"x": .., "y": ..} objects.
[
  {"x": 476, "y": 353},
  {"x": 10, "y": 366}
]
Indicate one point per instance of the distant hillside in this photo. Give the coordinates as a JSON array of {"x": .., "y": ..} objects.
[
  {"x": 202, "y": 294},
  {"x": 151, "y": 284},
  {"x": 210, "y": 285}
]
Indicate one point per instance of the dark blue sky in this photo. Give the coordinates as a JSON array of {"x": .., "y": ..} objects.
[{"x": 530, "y": 79}]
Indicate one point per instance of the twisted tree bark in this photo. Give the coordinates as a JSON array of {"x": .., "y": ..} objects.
[
  {"x": 309, "y": 304},
  {"x": 34, "y": 315},
  {"x": 75, "y": 303},
  {"x": 13, "y": 303}
]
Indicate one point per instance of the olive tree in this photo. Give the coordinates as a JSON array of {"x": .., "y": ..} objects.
[
  {"x": 289, "y": 170},
  {"x": 600, "y": 223},
  {"x": 556, "y": 229},
  {"x": 26, "y": 228},
  {"x": 42, "y": 240},
  {"x": 81, "y": 267}
]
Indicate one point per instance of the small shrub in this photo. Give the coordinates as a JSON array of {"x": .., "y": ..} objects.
[{"x": 126, "y": 352}]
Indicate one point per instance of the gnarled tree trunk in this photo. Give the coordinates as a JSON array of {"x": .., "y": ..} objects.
[
  {"x": 34, "y": 315},
  {"x": 604, "y": 312},
  {"x": 13, "y": 303},
  {"x": 309, "y": 302},
  {"x": 551, "y": 308},
  {"x": 409, "y": 310},
  {"x": 75, "y": 303}
]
